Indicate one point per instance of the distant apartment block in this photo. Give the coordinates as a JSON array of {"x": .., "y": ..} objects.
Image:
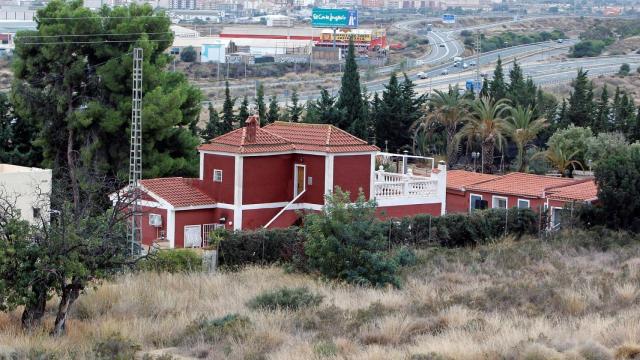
[
  {"x": 29, "y": 188},
  {"x": 182, "y": 4}
]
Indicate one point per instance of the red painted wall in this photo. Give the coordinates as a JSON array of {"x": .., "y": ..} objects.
[
  {"x": 267, "y": 179},
  {"x": 408, "y": 210},
  {"x": 457, "y": 202},
  {"x": 195, "y": 217},
  {"x": 512, "y": 201},
  {"x": 254, "y": 219},
  {"x": 221, "y": 192},
  {"x": 151, "y": 233},
  {"x": 352, "y": 172}
]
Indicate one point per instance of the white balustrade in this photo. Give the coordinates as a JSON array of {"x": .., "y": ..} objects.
[{"x": 392, "y": 185}]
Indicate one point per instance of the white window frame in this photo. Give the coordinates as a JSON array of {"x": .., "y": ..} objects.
[
  {"x": 553, "y": 215},
  {"x": 199, "y": 227},
  {"x": 215, "y": 172},
  {"x": 471, "y": 201},
  {"x": 496, "y": 197},
  {"x": 151, "y": 216},
  {"x": 524, "y": 200},
  {"x": 295, "y": 179}
]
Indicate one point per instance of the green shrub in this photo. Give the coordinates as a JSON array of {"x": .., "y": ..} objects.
[
  {"x": 115, "y": 347},
  {"x": 286, "y": 298},
  {"x": 325, "y": 349},
  {"x": 346, "y": 242},
  {"x": 213, "y": 330},
  {"x": 261, "y": 247},
  {"x": 173, "y": 261},
  {"x": 405, "y": 257}
]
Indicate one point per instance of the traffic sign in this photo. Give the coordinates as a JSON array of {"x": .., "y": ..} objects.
[
  {"x": 334, "y": 18},
  {"x": 448, "y": 19}
]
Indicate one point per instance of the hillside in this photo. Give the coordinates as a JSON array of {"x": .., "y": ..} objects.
[{"x": 517, "y": 300}]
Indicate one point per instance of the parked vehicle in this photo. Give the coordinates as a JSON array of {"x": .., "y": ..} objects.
[{"x": 422, "y": 75}]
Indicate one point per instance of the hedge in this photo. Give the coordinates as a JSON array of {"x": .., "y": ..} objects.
[{"x": 453, "y": 230}]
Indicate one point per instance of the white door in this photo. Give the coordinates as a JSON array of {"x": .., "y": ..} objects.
[{"x": 192, "y": 236}]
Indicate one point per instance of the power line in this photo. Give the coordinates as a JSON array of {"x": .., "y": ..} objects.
[
  {"x": 36, "y": 18},
  {"x": 91, "y": 42}
]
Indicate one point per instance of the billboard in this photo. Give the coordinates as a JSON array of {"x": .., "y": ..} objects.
[
  {"x": 448, "y": 19},
  {"x": 212, "y": 53},
  {"x": 334, "y": 18},
  {"x": 344, "y": 37}
]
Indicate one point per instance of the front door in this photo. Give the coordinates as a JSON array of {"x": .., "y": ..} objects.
[{"x": 299, "y": 176}]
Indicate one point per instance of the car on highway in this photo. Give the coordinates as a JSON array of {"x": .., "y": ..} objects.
[
  {"x": 422, "y": 75},
  {"x": 484, "y": 74},
  {"x": 444, "y": 72},
  {"x": 465, "y": 65},
  {"x": 472, "y": 63},
  {"x": 560, "y": 41},
  {"x": 441, "y": 45}
]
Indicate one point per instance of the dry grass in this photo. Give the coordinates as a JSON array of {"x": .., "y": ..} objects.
[{"x": 512, "y": 300}]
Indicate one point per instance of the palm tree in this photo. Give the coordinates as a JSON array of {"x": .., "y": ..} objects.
[
  {"x": 486, "y": 123},
  {"x": 560, "y": 160},
  {"x": 449, "y": 111},
  {"x": 523, "y": 128}
]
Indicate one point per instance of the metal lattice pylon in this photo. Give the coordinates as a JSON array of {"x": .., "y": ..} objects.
[{"x": 135, "y": 154}]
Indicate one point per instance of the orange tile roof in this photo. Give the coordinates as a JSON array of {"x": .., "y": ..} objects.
[
  {"x": 284, "y": 136},
  {"x": 177, "y": 191},
  {"x": 584, "y": 191},
  {"x": 460, "y": 179},
  {"x": 521, "y": 184}
]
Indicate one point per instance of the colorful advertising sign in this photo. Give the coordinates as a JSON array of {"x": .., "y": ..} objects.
[{"x": 334, "y": 18}]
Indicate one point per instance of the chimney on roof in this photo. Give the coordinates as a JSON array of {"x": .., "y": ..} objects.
[{"x": 252, "y": 123}]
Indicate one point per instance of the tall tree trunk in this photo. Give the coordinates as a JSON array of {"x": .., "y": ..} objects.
[
  {"x": 70, "y": 294},
  {"x": 73, "y": 175},
  {"x": 34, "y": 311},
  {"x": 487, "y": 156},
  {"x": 452, "y": 151},
  {"x": 521, "y": 164}
]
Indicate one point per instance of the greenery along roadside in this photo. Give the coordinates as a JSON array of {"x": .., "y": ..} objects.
[{"x": 508, "y": 38}]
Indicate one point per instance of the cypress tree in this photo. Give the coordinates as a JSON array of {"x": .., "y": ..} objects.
[
  {"x": 294, "y": 110},
  {"x": 580, "y": 104},
  {"x": 601, "y": 119},
  {"x": 243, "y": 113},
  {"x": 227, "y": 111},
  {"x": 515, "y": 89},
  {"x": 411, "y": 108},
  {"x": 389, "y": 125},
  {"x": 497, "y": 90},
  {"x": 262, "y": 107},
  {"x": 350, "y": 98},
  {"x": 272, "y": 114},
  {"x": 634, "y": 133},
  {"x": 212, "y": 129},
  {"x": 484, "y": 92}
]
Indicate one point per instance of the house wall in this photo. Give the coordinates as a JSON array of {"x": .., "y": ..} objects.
[
  {"x": 152, "y": 233},
  {"x": 221, "y": 192},
  {"x": 457, "y": 202},
  {"x": 27, "y": 188},
  {"x": 267, "y": 179},
  {"x": 408, "y": 210},
  {"x": 512, "y": 201},
  {"x": 351, "y": 173},
  {"x": 195, "y": 217}
]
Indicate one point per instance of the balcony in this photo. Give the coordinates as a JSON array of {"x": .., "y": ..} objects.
[{"x": 403, "y": 179}]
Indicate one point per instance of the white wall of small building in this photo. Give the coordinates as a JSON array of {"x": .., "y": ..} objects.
[{"x": 28, "y": 187}]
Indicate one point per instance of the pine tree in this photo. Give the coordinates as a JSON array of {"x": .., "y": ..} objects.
[
  {"x": 323, "y": 110},
  {"x": 484, "y": 92},
  {"x": 627, "y": 114},
  {"x": 497, "y": 89},
  {"x": 227, "y": 111},
  {"x": 350, "y": 98},
  {"x": 213, "y": 125},
  {"x": 294, "y": 110},
  {"x": 562, "y": 120},
  {"x": 243, "y": 113},
  {"x": 272, "y": 114},
  {"x": 634, "y": 133},
  {"x": 515, "y": 89},
  {"x": 601, "y": 119},
  {"x": 16, "y": 137},
  {"x": 389, "y": 119},
  {"x": 262, "y": 107},
  {"x": 411, "y": 108},
  {"x": 580, "y": 101}
]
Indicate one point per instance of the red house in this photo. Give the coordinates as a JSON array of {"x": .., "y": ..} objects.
[
  {"x": 457, "y": 183},
  {"x": 256, "y": 177}
]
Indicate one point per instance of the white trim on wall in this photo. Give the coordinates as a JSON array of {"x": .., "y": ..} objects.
[
  {"x": 525, "y": 200},
  {"x": 407, "y": 201},
  {"x": 171, "y": 228},
  {"x": 237, "y": 193},
  {"x": 372, "y": 177},
  {"x": 328, "y": 174},
  {"x": 320, "y": 153},
  {"x": 201, "y": 166}
]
